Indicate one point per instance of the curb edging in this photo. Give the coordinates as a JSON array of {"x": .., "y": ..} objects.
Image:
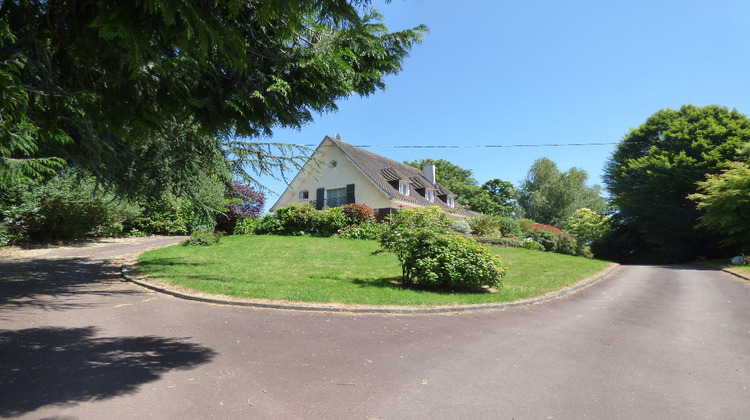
[{"x": 363, "y": 309}]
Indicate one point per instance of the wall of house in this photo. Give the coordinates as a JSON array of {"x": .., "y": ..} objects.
[{"x": 328, "y": 177}]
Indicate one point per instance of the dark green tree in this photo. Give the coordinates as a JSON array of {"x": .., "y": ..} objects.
[
  {"x": 101, "y": 85},
  {"x": 725, "y": 202},
  {"x": 654, "y": 169},
  {"x": 493, "y": 197},
  {"x": 551, "y": 197}
]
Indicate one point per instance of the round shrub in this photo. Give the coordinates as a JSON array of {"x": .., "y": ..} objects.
[
  {"x": 461, "y": 226},
  {"x": 358, "y": 213},
  {"x": 455, "y": 262},
  {"x": 508, "y": 226}
]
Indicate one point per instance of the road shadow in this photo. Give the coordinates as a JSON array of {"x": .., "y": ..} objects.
[
  {"x": 43, "y": 366},
  {"x": 45, "y": 283}
]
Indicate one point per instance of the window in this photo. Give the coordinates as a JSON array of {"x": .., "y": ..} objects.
[
  {"x": 336, "y": 197},
  {"x": 429, "y": 195},
  {"x": 451, "y": 202},
  {"x": 404, "y": 188},
  {"x": 304, "y": 195}
]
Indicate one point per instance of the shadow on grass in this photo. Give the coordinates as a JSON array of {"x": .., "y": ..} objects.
[
  {"x": 43, "y": 366},
  {"x": 394, "y": 283},
  {"x": 381, "y": 283}
]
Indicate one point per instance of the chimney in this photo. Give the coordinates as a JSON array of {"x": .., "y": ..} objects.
[{"x": 429, "y": 171}]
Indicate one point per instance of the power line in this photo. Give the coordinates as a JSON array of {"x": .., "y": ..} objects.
[{"x": 473, "y": 146}]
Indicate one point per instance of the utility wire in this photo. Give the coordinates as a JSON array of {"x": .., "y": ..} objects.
[{"x": 472, "y": 146}]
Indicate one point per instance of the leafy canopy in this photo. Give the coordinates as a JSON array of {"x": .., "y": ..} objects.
[
  {"x": 496, "y": 197},
  {"x": 658, "y": 165},
  {"x": 551, "y": 197},
  {"x": 725, "y": 200},
  {"x": 112, "y": 87}
]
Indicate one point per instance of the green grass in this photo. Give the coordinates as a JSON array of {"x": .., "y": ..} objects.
[{"x": 328, "y": 270}]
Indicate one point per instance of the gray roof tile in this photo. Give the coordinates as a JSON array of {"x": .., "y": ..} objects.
[{"x": 382, "y": 171}]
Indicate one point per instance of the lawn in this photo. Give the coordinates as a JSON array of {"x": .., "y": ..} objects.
[{"x": 325, "y": 270}]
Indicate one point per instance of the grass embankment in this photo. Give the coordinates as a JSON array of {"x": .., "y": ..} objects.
[{"x": 327, "y": 270}]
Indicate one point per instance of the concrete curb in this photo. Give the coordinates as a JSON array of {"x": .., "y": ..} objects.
[
  {"x": 739, "y": 273},
  {"x": 367, "y": 309}
]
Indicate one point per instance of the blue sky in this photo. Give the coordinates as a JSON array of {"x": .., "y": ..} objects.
[{"x": 541, "y": 72}]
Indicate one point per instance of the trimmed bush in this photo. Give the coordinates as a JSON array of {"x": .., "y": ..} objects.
[
  {"x": 545, "y": 237},
  {"x": 500, "y": 241},
  {"x": 433, "y": 258},
  {"x": 202, "y": 238},
  {"x": 508, "y": 226},
  {"x": 461, "y": 226},
  {"x": 358, "y": 213}
]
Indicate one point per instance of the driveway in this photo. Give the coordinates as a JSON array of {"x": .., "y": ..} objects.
[{"x": 647, "y": 342}]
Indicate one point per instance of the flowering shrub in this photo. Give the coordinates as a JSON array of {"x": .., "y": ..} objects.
[
  {"x": 550, "y": 228},
  {"x": 358, "y": 213}
]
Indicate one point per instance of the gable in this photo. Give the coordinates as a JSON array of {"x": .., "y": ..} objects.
[{"x": 376, "y": 177}]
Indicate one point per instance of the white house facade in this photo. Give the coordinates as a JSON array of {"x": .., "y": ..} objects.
[{"x": 341, "y": 173}]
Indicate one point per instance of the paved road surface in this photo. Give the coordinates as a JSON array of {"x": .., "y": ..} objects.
[{"x": 646, "y": 343}]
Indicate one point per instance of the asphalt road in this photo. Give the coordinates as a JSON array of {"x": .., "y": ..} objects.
[{"x": 77, "y": 342}]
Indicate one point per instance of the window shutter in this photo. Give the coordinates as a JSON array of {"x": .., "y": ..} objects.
[
  {"x": 349, "y": 193},
  {"x": 320, "y": 198}
]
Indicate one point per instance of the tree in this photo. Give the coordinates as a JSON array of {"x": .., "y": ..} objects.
[
  {"x": 587, "y": 226},
  {"x": 725, "y": 200},
  {"x": 551, "y": 197},
  {"x": 244, "y": 201},
  {"x": 493, "y": 197},
  {"x": 657, "y": 166},
  {"x": 96, "y": 85}
]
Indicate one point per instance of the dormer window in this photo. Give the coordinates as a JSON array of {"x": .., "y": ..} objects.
[
  {"x": 429, "y": 195},
  {"x": 451, "y": 202},
  {"x": 404, "y": 187}
]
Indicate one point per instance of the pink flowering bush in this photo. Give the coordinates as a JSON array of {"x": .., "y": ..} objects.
[{"x": 358, "y": 213}]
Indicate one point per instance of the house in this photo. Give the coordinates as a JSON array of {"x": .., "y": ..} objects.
[{"x": 349, "y": 174}]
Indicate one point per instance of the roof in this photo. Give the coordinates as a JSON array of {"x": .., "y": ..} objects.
[{"x": 382, "y": 171}]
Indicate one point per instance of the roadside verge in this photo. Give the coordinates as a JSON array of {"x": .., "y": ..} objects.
[{"x": 360, "y": 309}]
